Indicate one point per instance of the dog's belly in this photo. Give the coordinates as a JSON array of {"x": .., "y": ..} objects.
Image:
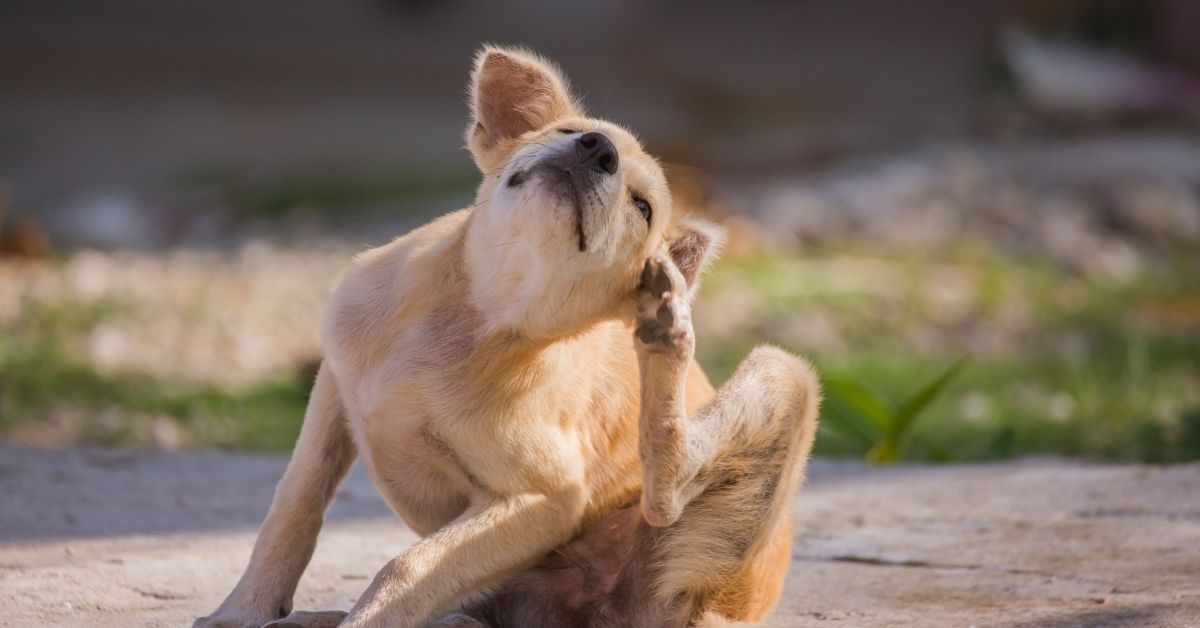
[
  {"x": 603, "y": 577},
  {"x": 436, "y": 437}
]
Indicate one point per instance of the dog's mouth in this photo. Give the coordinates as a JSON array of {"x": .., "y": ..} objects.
[
  {"x": 576, "y": 187},
  {"x": 577, "y": 211}
]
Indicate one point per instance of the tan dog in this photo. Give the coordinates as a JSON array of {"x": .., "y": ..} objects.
[{"x": 515, "y": 374}]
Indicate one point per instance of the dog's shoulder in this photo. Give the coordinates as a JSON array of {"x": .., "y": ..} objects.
[{"x": 390, "y": 283}]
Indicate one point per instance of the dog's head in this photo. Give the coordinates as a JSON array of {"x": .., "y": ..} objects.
[{"x": 570, "y": 206}]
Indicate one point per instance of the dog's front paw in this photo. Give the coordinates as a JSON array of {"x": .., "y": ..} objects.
[
  {"x": 309, "y": 619},
  {"x": 233, "y": 614},
  {"x": 664, "y": 314},
  {"x": 229, "y": 621}
]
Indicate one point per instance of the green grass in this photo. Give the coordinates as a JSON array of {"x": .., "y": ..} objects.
[
  {"x": 1089, "y": 408},
  {"x": 1078, "y": 366},
  {"x": 332, "y": 193},
  {"x": 859, "y": 414},
  {"x": 1099, "y": 369},
  {"x": 42, "y": 374}
]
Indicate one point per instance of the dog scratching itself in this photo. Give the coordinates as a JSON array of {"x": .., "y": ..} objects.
[{"x": 518, "y": 380}]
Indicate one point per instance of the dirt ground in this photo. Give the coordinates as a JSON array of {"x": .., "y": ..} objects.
[{"x": 121, "y": 538}]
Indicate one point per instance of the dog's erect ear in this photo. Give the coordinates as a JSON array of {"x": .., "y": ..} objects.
[
  {"x": 694, "y": 243},
  {"x": 513, "y": 91}
]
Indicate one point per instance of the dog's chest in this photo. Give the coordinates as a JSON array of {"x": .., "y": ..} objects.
[
  {"x": 418, "y": 475},
  {"x": 435, "y": 441},
  {"x": 442, "y": 422}
]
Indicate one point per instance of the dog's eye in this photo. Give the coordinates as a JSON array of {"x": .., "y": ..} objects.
[
  {"x": 567, "y": 131},
  {"x": 643, "y": 206}
]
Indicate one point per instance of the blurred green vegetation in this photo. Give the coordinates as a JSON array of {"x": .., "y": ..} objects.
[
  {"x": 1089, "y": 367},
  {"x": 1057, "y": 361},
  {"x": 329, "y": 193},
  {"x": 43, "y": 375},
  {"x": 852, "y": 410}
]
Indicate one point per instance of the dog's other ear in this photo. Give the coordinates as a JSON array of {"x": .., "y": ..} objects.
[
  {"x": 513, "y": 91},
  {"x": 694, "y": 243}
]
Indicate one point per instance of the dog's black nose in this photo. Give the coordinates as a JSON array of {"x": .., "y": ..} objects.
[{"x": 597, "y": 151}]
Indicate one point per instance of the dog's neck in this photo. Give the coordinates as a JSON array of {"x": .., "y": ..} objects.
[{"x": 517, "y": 292}]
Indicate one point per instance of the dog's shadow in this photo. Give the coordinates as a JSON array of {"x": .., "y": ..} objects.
[{"x": 85, "y": 492}]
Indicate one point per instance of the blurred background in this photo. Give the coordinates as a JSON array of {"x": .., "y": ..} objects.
[{"x": 980, "y": 219}]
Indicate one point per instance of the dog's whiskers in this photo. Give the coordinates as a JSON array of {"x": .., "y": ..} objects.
[
  {"x": 518, "y": 210},
  {"x": 564, "y": 301}
]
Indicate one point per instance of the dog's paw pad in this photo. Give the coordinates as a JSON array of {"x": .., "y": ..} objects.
[
  {"x": 664, "y": 316},
  {"x": 657, "y": 276}
]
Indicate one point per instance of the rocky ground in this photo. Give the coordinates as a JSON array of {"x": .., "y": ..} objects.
[{"x": 124, "y": 538}]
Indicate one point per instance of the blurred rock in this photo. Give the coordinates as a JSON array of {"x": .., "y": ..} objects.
[
  {"x": 1096, "y": 206},
  {"x": 1066, "y": 77},
  {"x": 109, "y": 221},
  {"x": 1165, "y": 210}
]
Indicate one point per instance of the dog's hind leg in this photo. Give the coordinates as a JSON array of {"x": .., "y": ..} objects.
[
  {"x": 718, "y": 485},
  {"x": 712, "y": 543},
  {"x": 321, "y": 458},
  {"x": 727, "y": 545}
]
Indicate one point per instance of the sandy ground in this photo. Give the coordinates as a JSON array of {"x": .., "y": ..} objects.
[{"x": 92, "y": 537}]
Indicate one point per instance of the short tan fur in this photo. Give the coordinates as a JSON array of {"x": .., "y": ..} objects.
[{"x": 518, "y": 379}]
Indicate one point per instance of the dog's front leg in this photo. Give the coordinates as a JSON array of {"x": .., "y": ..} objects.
[
  {"x": 770, "y": 402},
  {"x": 486, "y": 543},
  {"x": 674, "y": 447},
  {"x": 671, "y": 449},
  {"x": 322, "y": 456}
]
